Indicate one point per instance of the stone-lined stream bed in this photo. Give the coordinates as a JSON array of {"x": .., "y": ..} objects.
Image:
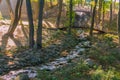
[{"x": 77, "y": 52}]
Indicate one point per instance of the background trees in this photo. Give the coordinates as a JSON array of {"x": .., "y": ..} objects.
[
  {"x": 73, "y": 31},
  {"x": 119, "y": 22},
  {"x": 102, "y": 10},
  {"x": 60, "y": 4},
  {"x": 70, "y": 12},
  {"x": 93, "y": 18}
]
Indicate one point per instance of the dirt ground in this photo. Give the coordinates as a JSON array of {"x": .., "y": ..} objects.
[{"x": 20, "y": 37}]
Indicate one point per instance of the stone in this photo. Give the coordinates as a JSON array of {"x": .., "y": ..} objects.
[
  {"x": 86, "y": 43},
  {"x": 61, "y": 59},
  {"x": 28, "y": 74},
  {"x": 89, "y": 62},
  {"x": 22, "y": 77},
  {"x": 44, "y": 67},
  {"x": 32, "y": 74},
  {"x": 79, "y": 51}
]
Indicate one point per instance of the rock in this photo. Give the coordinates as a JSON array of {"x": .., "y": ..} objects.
[
  {"x": 32, "y": 75},
  {"x": 62, "y": 62},
  {"x": 86, "y": 44},
  {"x": 61, "y": 59},
  {"x": 79, "y": 51},
  {"x": 89, "y": 62},
  {"x": 22, "y": 77},
  {"x": 81, "y": 19},
  {"x": 72, "y": 56},
  {"x": 77, "y": 47},
  {"x": 49, "y": 68}
]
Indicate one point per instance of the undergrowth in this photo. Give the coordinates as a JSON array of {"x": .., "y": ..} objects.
[{"x": 106, "y": 54}]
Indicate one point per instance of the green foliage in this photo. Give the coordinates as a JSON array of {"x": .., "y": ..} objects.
[
  {"x": 69, "y": 41},
  {"x": 104, "y": 50},
  {"x": 80, "y": 71},
  {"x": 109, "y": 59},
  {"x": 57, "y": 34},
  {"x": 66, "y": 24},
  {"x": 108, "y": 38},
  {"x": 34, "y": 0},
  {"x": 71, "y": 72},
  {"x": 1, "y": 16},
  {"x": 100, "y": 74}
]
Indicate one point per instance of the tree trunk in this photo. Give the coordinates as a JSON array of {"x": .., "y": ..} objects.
[
  {"x": 31, "y": 25},
  {"x": 70, "y": 19},
  {"x": 59, "y": 13},
  {"x": 99, "y": 11},
  {"x": 93, "y": 18},
  {"x": 119, "y": 22},
  {"x": 111, "y": 12},
  {"x": 16, "y": 17},
  {"x": 103, "y": 15},
  {"x": 39, "y": 30}
]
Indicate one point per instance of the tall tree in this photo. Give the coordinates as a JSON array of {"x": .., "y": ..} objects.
[
  {"x": 31, "y": 25},
  {"x": 70, "y": 12},
  {"x": 93, "y": 18},
  {"x": 99, "y": 11},
  {"x": 59, "y": 13},
  {"x": 111, "y": 11},
  {"x": 119, "y": 22},
  {"x": 103, "y": 14},
  {"x": 17, "y": 17},
  {"x": 39, "y": 30}
]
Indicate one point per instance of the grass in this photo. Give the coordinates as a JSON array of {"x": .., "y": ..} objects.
[
  {"x": 106, "y": 54},
  {"x": 80, "y": 71}
]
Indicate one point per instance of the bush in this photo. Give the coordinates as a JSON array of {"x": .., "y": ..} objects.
[
  {"x": 69, "y": 41},
  {"x": 100, "y": 74}
]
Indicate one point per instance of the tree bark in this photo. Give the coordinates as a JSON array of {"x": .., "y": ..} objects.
[
  {"x": 31, "y": 25},
  {"x": 111, "y": 12},
  {"x": 39, "y": 30},
  {"x": 59, "y": 13},
  {"x": 119, "y": 22},
  {"x": 103, "y": 15},
  {"x": 93, "y": 18},
  {"x": 99, "y": 11},
  {"x": 16, "y": 17},
  {"x": 70, "y": 19}
]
